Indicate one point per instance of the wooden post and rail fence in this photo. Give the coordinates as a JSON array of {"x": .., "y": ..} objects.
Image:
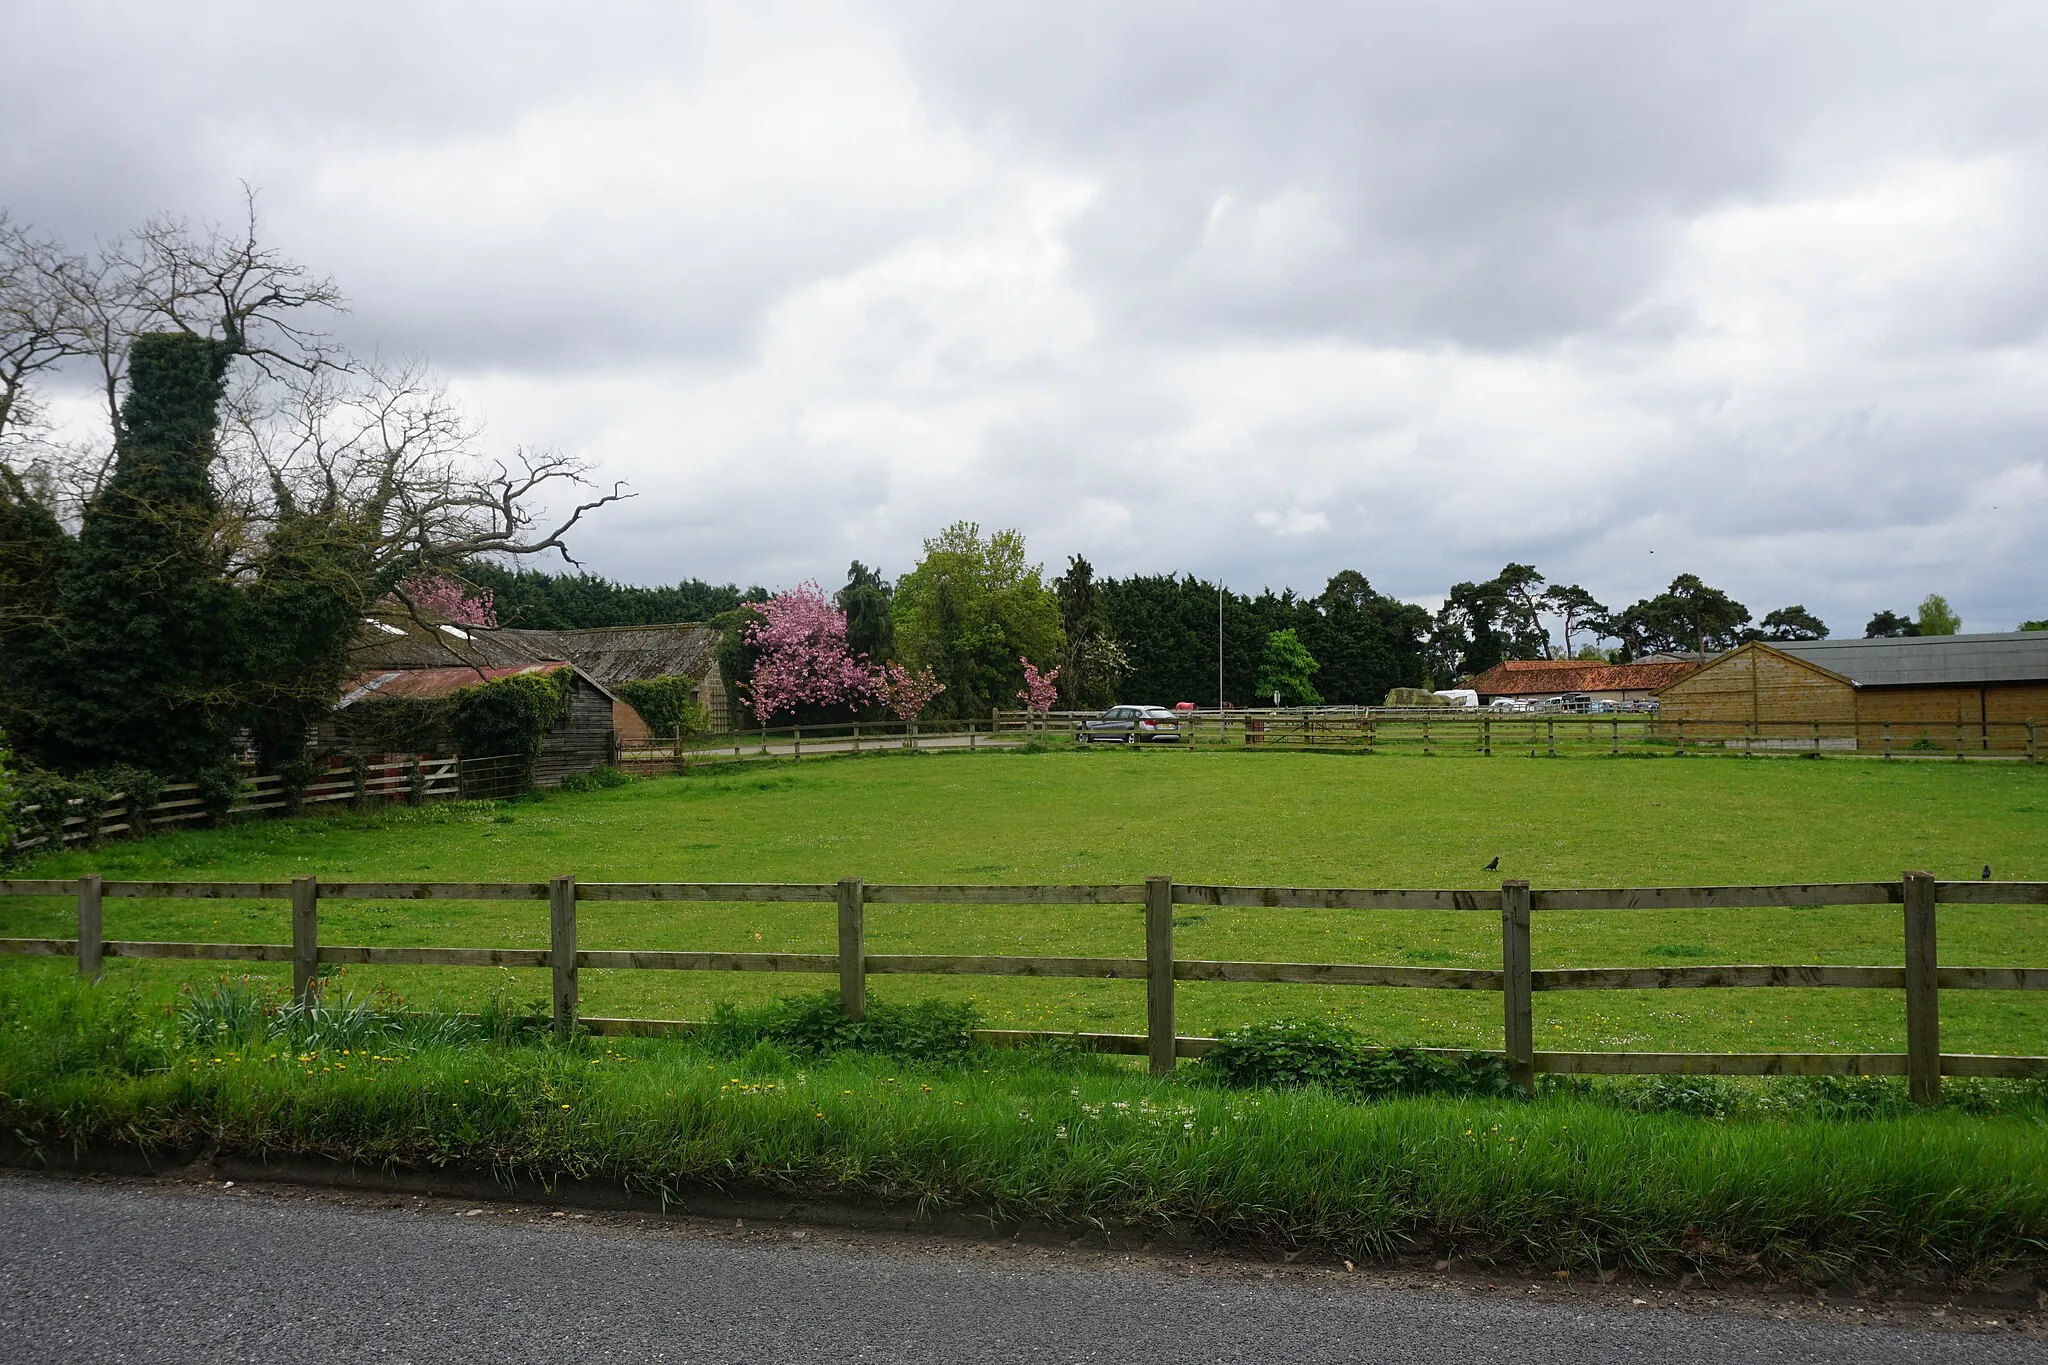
[
  {"x": 1488, "y": 733},
  {"x": 1920, "y": 977}
]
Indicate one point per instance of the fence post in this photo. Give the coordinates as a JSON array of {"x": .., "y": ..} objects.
[
  {"x": 1550, "y": 736},
  {"x": 1159, "y": 1025},
  {"x": 856, "y": 736},
  {"x": 305, "y": 937},
  {"x": 853, "y": 962},
  {"x": 1887, "y": 739},
  {"x": 562, "y": 951},
  {"x": 798, "y": 747},
  {"x": 1486, "y": 735},
  {"x": 1923, "y": 1001},
  {"x": 1517, "y": 998},
  {"x": 90, "y": 935},
  {"x": 2033, "y": 744}
]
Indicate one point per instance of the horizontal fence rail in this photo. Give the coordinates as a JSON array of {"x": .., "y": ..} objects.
[
  {"x": 412, "y": 778},
  {"x": 1921, "y": 978},
  {"x": 1629, "y": 728}
]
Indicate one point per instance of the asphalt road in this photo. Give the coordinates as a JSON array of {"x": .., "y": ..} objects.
[{"x": 121, "y": 1272}]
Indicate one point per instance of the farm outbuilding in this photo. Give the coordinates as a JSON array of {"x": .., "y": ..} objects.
[
  {"x": 607, "y": 655},
  {"x": 1536, "y": 679},
  {"x": 584, "y": 741},
  {"x": 1970, "y": 692},
  {"x": 610, "y": 655}
]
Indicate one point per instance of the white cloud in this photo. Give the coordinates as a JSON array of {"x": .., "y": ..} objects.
[{"x": 1349, "y": 286}]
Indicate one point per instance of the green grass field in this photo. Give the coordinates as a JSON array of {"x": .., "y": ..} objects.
[{"x": 1112, "y": 816}]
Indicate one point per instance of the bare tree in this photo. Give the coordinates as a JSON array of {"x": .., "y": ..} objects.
[
  {"x": 227, "y": 285},
  {"x": 385, "y": 458},
  {"x": 35, "y": 322}
]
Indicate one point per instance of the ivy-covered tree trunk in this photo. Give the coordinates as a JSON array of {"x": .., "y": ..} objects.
[{"x": 150, "y": 638}]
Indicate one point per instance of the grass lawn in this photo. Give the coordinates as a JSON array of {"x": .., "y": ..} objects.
[
  {"x": 1112, "y": 816},
  {"x": 1825, "y": 1187}
]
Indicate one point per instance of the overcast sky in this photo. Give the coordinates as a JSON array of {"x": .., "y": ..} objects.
[{"x": 1754, "y": 291}]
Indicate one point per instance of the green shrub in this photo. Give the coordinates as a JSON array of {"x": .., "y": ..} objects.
[
  {"x": 512, "y": 716},
  {"x": 52, "y": 795},
  {"x": 604, "y": 775},
  {"x": 667, "y": 704},
  {"x": 1297, "y": 1052},
  {"x": 813, "y": 1025}
]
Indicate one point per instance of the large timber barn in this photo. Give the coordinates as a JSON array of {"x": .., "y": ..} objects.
[{"x": 1970, "y": 692}]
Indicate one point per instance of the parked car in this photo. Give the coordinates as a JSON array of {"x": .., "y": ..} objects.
[
  {"x": 1507, "y": 704},
  {"x": 1129, "y": 725}
]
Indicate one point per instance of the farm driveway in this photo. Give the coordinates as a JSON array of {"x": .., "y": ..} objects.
[{"x": 125, "y": 1271}]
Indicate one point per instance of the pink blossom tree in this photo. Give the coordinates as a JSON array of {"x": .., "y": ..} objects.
[
  {"x": 1039, "y": 691},
  {"x": 906, "y": 694},
  {"x": 800, "y": 643},
  {"x": 438, "y": 598}
]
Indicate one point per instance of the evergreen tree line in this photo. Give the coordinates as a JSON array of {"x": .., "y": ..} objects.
[{"x": 973, "y": 608}]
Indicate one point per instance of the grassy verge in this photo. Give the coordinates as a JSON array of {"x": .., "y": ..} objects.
[
  {"x": 1577, "y": 1179},
  {"x": 1116, "y": 815}
]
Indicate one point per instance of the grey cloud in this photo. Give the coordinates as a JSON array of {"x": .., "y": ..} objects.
[{"x": 1267, "y": 291}]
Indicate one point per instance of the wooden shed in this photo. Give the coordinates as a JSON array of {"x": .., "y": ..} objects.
[
  {"x": 584, "y": 741},
  {"x": 610, "y": 655},
  {"x": 1969, "y": 692},
  {"x": 606, "y": 655}
]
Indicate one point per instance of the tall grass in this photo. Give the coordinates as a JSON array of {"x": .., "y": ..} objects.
[{"x": 1573, "y": 1179}]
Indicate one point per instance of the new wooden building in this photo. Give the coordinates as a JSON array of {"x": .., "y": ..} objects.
[{"x": 1975, "y": 692}]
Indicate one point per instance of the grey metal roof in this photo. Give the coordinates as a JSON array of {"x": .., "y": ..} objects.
[{"x": 1924, "y": 660}]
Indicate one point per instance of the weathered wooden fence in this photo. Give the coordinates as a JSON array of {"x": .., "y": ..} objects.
[
  {"x": 1920, "y": 978},
  {"x": 684, "y": 752},
  {"x": 1486, "y": 733},
  {"x": 394, "y": 779}
]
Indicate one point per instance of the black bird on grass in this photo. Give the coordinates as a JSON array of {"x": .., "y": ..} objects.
[
  {"x": 1987, "y": 872},
  {"x": 1493, "y": 866}
]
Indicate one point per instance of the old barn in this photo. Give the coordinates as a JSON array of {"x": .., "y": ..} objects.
[
  {"x": 585, "y": 740},
  {"x": 1972, "y": 692},
  {"x": 1538, "y": 679}
]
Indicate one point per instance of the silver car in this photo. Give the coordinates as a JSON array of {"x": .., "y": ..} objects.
[{"x": 1130, "y": 725}]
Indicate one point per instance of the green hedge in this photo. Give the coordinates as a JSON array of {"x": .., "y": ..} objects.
[
  {"x": 512, "y": 716},
  {"x": 667, "y": 704}
]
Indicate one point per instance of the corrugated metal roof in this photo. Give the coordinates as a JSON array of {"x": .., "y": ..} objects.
[
  {"x": 616, "y": 654},
  {"x": 1929, "y": 660},
  {"x": 431, "y": 682}
]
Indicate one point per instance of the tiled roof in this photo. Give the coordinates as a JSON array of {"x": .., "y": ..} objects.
[{"x": 1553, "y": 677}]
